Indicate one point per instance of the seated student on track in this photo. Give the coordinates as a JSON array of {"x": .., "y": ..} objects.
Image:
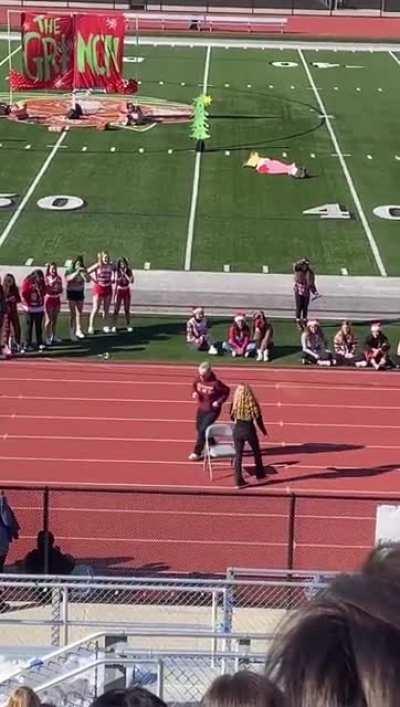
[
  {"x": 239, "y": 338},
  {"x": 103, "y": 273},
  {"x": 262, "y": 334},
  {"x": 198, "y": 332},
  {"x": 210, "y": 394},
  {"x": 11, "y": 325},
  {"x": 245, "y": 411},
  {"x": 314, "y": 346},
  {"x": 377, "y": 348},
  {"x": 76, "y": 277},
  {"x": 123, "y": 280},
  {"x": 52, "y": 303},
  {"x": 32, "y": 296},
  {"x": 345, "y": 347}
]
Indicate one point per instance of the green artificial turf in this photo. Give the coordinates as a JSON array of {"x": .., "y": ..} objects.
[
  {"x": 138, "y": 203},
  {"x": 163, "y": 339}
]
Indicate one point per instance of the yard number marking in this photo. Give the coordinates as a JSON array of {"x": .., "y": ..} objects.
[
  {"x": 390, "y": 213},
  {"x": 328, "y": 211}
]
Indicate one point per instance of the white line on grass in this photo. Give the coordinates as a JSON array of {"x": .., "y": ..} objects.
[
  {"x": 14, "y": 218},
  {"x": 196, "y": 177},
  {"x": 3, "y": 61},
  {"x": 353, "y": 191},
  {"x": 395, "y": 58}
]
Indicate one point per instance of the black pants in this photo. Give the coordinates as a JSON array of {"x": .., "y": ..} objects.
[
  {"x": 33, "y": 319},
  {"x": 302, "y": 304},
  {"x": 246, "y": 432},
  {"x": 203, "y": 420}
]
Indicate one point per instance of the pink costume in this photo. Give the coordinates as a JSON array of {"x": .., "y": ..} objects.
[{"x": 268, "y": 166}]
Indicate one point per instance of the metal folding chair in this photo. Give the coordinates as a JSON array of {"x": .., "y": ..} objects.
[{"x": 221, "y": 433}]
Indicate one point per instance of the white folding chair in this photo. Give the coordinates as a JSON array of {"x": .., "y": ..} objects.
[{"x": 221, "y": 433}]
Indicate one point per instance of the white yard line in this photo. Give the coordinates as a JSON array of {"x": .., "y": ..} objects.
[
  {"x": 14, "y": 218},
  {"x": 395, "y": 58},
  {"x": 4, "y": 61},
  {"x": 196, "y": 177},
  {"x": 346, "y": 172}
]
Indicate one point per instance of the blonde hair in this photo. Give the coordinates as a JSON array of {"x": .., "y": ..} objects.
[
  {"x": 23, "y": 697},
  {"x": 245, "y": 405}
]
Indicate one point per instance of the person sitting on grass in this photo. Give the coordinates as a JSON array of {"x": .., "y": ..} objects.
[
  {"x": 314, "y": 346},
  {"x": 239, "y": 338},
  {"x": 345, "y": 347},
  {"x": 262, "y": 334},
  {"x": 197, "y": 332},
  {"x": 377, "y": 348}
]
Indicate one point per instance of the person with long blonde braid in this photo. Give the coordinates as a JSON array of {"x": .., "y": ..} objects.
[{"x": 246, "y": 414}]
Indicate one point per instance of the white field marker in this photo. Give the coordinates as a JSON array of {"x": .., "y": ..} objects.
[
  {"x": 196, "y": 176},
  {"x": 265, "y": 269},
  {"x": 227, "y": 268},
  {"x": 392, "y": 54},
  {"x": 369, "y": 157},
  {"x": 380, "y": 90},
  {"x": 170, "y": 151},
  {"x": 349, "y": 179},
  {"x": 284, "y": 154},
  {"x": 17, "y": 213},
  {"x": 397, "y": 157},
  {"x": 227, "y": 153},
  {"x": 312, "y": 155},
  {"x": 112, "y": 149},
  {"x": 147, "y": 266},
  {"x": 4, "y": 61},
  {"x": 344, "y": 271},
  {"x": 28, "y": 147},
  {"x": 29, "y": 262},
  {"x": 84, "y": 148}
]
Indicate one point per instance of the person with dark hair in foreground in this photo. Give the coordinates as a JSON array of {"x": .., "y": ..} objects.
[
  {"x": 244, "y": 689},
  {"x": 131, "y": 697},
  {"x": 343, "y": 648},
  {"x": 383, "y": 561}
]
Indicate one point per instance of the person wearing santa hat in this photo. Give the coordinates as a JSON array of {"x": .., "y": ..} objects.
[
  {"x": 377, "y": 348},
  {"x": 239, "y": 338},
  {"x": 314, "y": 346},
  {"x": 198, "y": 334}
]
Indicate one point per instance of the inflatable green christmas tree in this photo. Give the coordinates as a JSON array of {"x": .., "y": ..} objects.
[{"x": 200, "y": 124}]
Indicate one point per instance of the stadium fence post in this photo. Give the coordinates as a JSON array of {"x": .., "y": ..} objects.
[
  {"x": 9, "y": 56},
  {"x": 291, "y": 532},
  {"x": 46, "y": 529}
]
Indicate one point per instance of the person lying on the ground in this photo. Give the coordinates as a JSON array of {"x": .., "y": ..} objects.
[
  {"x": 18, "y": 111},
  {"x": 377, "y": 348},
  {"x": 262, "y": 334},
  {"x": 314, "y": 345},
  {"x": 198, "y": 332},
  {"x": 266, "y": 165},
  {"x": 345, "y": 347},
  {"x": 239, "y": 338}
]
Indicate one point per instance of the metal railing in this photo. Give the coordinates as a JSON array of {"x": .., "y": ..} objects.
[{"x": 182, "y": 674}]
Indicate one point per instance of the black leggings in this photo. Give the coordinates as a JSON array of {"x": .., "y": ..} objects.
[
  {"x": 245, "y": 431},
  {"x": 302, "y": 304},
  {"x": 33, "y": 319},
  {"x": 204, "y": 420}
]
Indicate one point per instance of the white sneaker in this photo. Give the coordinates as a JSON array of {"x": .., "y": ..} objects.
[
  {"x": 129, "y": 329},
  {"x": 42, "y": 347},
  {"x": 194, "y": 457},
  {"x": 49, "y": 341},
  {"x": 80, "y": 334},
  {"x": 91, "y": 330},
  {"x": 259, "y": 355},
  {"x": 212, "y": 350},
  {"x": 106, "y": 329},
  {"x": 266, "y": 355},
  {"x": 233, "y": 354},
  {"x": 247, "y": 354},
  {"x": 113, "y": 329}
]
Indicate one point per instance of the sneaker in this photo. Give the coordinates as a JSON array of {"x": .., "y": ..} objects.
[
  {"x": 72, "y": 335},
  {"x": 266, "y": 355},
  {"x": 247, "y": 354},
  {"x": 41, "y": 348},
  {"x": 193, "y": 457},
  {"x": 361, "y": 364},
  {"x": 213, "y": 351},
  {"x": 49, "y": 341},
  {"x": 106, "y": 329},
  {"x": 129, "y": 329},
  {"x": 233, "y": 354},
  {"x": 90, "y": 330},
  {"x": 57, "y": 340},
  {"x": 240, "y": 483},
  {"x": 7, "y": 351},
  {"x": 259, "y": 355},
  {"x": 79, "y": 334},
  {"x": 114, "y": 329}
]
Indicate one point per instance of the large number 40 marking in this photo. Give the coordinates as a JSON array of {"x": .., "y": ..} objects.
[{"x": 336, "y": 211}]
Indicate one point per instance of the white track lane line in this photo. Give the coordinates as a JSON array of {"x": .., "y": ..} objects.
[
  {"x": 196, "y": 177},
  {"x": 17, "y": 213},
  {"x": 346, "y": 172},
  {"x": 394, "y": 57}
]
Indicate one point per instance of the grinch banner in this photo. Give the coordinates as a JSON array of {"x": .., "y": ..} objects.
[
  {"x": 99, "y": 47},
  {"x": 47, "y": 52}
]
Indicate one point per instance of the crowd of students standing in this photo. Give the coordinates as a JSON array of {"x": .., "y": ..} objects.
[{"x": 39, "y": 298}]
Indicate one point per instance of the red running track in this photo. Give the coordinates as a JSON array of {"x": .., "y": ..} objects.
[{"x": 112, "y": 441}]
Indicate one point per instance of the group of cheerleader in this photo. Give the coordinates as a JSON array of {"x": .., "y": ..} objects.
[{"x": 40, "y": 300}]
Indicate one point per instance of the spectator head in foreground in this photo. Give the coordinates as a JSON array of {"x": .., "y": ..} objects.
[
  {"x": 244, "y": 689},
  {"x": 23, "y": 697},
  {"x": 131, "y": 697},
  {"x": 384, "y": 561},
  {"x": 343, "y": 648}
]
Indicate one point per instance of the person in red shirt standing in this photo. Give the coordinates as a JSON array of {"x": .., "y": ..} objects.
[
  {"x": 32, "y": 294},
  {"x": 52, "y": 303},
  {"x": 210, "y": 394},
  {"x": 103, "y": 273},
  {"x": 11, "y": 321}
]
